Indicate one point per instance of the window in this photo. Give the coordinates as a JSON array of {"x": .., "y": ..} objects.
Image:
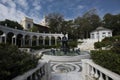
[
  {"x": 92, "y": 36},
  {"x": 103, "y": 33},
  {"x": 109, "y": 32},
  {"x": 28, "y": 26}
]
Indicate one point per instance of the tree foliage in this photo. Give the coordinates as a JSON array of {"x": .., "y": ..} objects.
[
  {"x": 13, "y": 62},
  {"x": 11, "y": 24},
  {"x": 107, "y": 59},
  {"x": 88, "y": 22},
  {"x": 54, "y": 20},
  {"x": 112, "y": 22},
  {"x": 34, "y": 29}
]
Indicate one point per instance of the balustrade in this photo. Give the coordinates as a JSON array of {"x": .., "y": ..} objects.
[
  {"x": 92, "y": 71},
  {"x": 39, "y": 73}
]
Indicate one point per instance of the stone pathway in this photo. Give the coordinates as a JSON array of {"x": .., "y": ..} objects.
[
  {"x": 71, "y": 71},
  {"x": 67, "y": 76}
]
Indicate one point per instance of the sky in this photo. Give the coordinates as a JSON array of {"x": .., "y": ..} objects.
[{"x": 70, "y": 9}]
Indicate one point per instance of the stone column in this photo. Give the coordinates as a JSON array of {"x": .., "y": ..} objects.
[
  {"x": 4, "y": 36},
  {"x": 30, "y": 41},
  {"x": 49, "y": 41},
  {"x": 55, "y": 40},
  {"x": 43, "y": 40},
  {"x": 37, "y": 41},
  {"x": 5, "y": 39},
  {"x": 0, "y": 39},
  {"x": 23, "y": 41},
  {"x": 14, "y": 40}
]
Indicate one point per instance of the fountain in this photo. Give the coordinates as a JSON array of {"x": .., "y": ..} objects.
[
  {"x": 65, "y": 50},
  {"x": 64, "y": 46},
  {"x": 64, "y": 59}
]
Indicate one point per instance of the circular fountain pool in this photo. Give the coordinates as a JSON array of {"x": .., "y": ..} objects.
[{"x": 74, "y": 57}]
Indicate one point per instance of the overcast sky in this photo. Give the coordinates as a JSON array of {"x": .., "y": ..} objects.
[{"x": 36, "y": 9}]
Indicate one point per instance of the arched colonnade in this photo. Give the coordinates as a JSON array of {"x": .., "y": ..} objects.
[{"x": 25, "y": 38}]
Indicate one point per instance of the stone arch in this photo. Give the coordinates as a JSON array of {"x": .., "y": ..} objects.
[
  {"x": 9, "y": 37},
  {"x": 2, "y": 39},
  {"x": 34, "y": 40},
  {"x": 19, "y": 38},
  {"x": 52, "y": 40},
  {"x": 27, "y": 40},
  {"x": 1, "y": 32},
  {"x": 40, "y": 40},
  {"x": 59, "y": 40},
  {"x": 47, "y": 40}
]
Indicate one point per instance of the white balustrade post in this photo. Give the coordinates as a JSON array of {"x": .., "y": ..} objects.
[
  {"x": 101, "y": 77},
  {"x": 96, "y": 73},
  {"x": 84, "y": 70},
  {"x": 31, "y": 77},
  {"x": 36, "y": 77},
  {"x": 88, "y": 69},
  {"x": 106, "y": 77},
  {"x": 92, "y": 72}
]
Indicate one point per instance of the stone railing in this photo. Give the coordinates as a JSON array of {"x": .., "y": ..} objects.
[
  {"x": 92, "y": 71},
  {"x": 41, "y": 72}
]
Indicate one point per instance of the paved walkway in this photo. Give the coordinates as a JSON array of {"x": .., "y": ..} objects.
[
  {"x": 67, "y": 76},
  {"x": 73, "y": 71}
]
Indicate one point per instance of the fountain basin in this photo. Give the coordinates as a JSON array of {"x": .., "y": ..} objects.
[{"x": 64, "y": 58}]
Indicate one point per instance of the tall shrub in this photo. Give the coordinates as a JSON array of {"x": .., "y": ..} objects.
[
  {"x": 107, "y": 59},
  {"x": 14, "y": 62}
]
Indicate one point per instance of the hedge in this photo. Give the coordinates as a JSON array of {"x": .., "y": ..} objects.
[
  {"x": 116, "y": 47},
  {"x": 108, "y": 41},
  {"x": 71, "y": 44},
  {"x": 13, "y": 62},
  {"x": 107, "y": 59}
]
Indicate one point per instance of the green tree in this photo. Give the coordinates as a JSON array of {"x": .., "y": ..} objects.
[
  {"x": 54, "y": 20},
  {"x": 11, "y": 24},
  {"x": 34, "y": 29},
  {"x": 112, "y": 22},
  {"x": 87, "y": 23},
  {"x": 13, "y": 62}
]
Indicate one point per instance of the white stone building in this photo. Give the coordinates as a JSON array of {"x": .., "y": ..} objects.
[
  {"x": 27, "y": 23},
  {"x": 100, "y": 33}
]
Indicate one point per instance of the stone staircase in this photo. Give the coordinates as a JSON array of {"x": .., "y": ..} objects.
[{"x": 88, "y": 44}]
